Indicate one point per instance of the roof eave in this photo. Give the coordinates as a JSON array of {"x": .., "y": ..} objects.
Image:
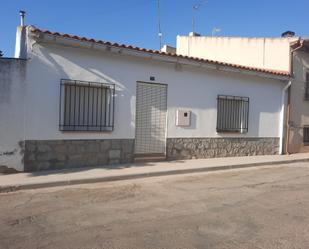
[{"x": 42, "y": 37}]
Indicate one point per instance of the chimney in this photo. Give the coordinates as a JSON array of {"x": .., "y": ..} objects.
[
  {"x": 22, "y": 18},
  {"x": 21, "y": 38},
  {"x": 168, "y": 49},
  {"x": 194, "y": 34}
]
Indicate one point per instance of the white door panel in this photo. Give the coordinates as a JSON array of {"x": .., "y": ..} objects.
[{"x": 151, "y": 102}]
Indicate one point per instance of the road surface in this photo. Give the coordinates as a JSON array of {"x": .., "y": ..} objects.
[{"x": 249, "y": 208}]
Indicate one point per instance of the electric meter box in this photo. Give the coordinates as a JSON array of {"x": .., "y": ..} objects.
[{"x": 183, "y": 117}]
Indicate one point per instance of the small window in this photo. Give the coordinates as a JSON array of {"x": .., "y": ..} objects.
[
  {"x": 306, "y": 97},
  {"x": 86, "y": 106},
  {"x": 232, "y": 114},
  {"x": 306, "y": 134}
]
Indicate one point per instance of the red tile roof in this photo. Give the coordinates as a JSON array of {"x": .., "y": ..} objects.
[{"x": 242, "y": 67}]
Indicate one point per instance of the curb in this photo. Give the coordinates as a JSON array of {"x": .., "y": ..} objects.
[{"x": 13, "y": 188}]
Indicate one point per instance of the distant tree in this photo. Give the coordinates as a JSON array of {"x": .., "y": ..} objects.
[{"x": 1, "y": 53}]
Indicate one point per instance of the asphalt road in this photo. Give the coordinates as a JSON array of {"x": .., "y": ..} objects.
[{"x": 249, "y": 208}]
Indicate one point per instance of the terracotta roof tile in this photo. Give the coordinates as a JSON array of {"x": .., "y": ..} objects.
[{"x": 249, "y": 68}]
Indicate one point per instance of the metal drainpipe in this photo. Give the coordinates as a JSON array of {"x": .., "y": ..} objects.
[
  {"x": 287, "y": 136},
  {"x": 289, "y": 99},
  {"x": 281, "y": 129}
]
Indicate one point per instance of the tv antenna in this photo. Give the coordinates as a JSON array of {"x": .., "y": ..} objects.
[
  {"x": 195, "y": 8},
  {"x": 215, "y": 30},
  {"x": 159, "y": 24}
]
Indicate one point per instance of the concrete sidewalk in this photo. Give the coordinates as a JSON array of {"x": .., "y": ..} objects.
[{"x": 53, "y": 178}]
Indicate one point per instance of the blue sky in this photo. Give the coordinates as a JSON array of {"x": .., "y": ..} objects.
[{"x": 135, "y": 22}]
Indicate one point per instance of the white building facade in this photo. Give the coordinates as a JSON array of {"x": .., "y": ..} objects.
[
  {"x": 283, "y": 53},
  {"x": 94, "y": 103}
]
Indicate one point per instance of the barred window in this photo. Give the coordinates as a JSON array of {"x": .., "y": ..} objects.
[
  {"x": 86, "y": 106},
  {"x": 307, "y": 87},
  {"x": 232, "y": 114},
  {"x": 306, "y": 134}
]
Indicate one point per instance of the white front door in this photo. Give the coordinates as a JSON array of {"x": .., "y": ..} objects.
[{"x": 151, "y": 106}]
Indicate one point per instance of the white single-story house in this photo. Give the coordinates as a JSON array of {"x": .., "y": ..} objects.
[{"x": 70, "y": 101}]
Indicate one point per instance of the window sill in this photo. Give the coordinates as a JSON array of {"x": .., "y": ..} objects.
[
  {"x": 97, "y": 129},
  {"x": 231, "y": 132}
]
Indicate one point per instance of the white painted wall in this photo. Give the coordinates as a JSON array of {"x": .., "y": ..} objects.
[
  {"x": 12, "y": 92},
  {"x": 188, "y": 87},
  {"x": 268, "y": 53}
]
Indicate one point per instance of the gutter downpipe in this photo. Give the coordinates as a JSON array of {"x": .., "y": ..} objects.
[
  {"x": 282, "y": 119},
  {"x": 286, "y": 146},
  {"x": 287, "y": 124}
]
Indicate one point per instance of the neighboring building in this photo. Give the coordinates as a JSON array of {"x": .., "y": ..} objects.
[
  {"x": 12, "y": 119},
  {"x": 298, "y": 134},
  {"x": 85, "y": 102},
  {"x": 267, "y": 53},
  {"x": 270, "y": 54}
]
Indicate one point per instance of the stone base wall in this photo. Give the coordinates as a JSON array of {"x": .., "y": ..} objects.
[
  {"x": 60, "y": 154},
  {"x": 187, "y": 148}
]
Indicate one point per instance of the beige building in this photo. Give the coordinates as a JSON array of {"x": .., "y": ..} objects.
[
  {"x": 286, "y": 54},
  {"x": 298, "y": 134}
]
